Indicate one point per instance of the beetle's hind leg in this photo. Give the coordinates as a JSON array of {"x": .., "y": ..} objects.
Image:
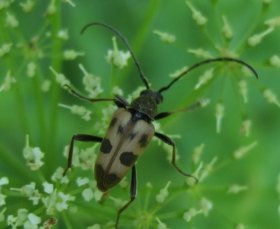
[
  {"x": 133, "y": 190},
  {"x": 81, "y": 138},
  {"x": 169, "y": 141}
]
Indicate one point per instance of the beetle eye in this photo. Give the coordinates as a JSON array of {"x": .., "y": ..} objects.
[{"x": 159, "y": 98}]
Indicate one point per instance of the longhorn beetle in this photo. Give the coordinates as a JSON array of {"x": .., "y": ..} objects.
[{"x": 131, "y": 128}]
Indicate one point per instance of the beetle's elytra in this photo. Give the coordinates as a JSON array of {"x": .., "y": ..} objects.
[
  {"x": 123, "y": 143},
  {"x": 131, "y": 128}
]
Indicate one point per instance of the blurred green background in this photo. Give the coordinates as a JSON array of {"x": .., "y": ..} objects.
[{"x": 26, "y": 109}]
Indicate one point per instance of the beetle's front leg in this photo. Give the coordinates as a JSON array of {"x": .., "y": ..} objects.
[
  {"x": 81, "y": 138},
  {"x": 133, "y": 192},
  {"x": 118, "y": 100},
  {"x": 169, "y": 141}
]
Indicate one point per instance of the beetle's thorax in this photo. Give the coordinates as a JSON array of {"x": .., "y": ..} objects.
[{"x": 147, "y": 103}]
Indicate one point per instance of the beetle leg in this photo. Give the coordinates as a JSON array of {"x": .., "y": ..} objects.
[
  {"x": 169, "y": 141},
  {"x": 133, "y": 191},
  {"x": 191, "y": 107},
  {"x": 81, "y": 138},
  {"x": 119, "y": 101}
]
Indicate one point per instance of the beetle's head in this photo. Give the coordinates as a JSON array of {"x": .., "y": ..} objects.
[{"x": 147, "y": 103}]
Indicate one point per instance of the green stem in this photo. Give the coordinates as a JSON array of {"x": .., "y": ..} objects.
[
  {"x": 141, "y": 35},
  {"x": 56, "y": 63}
]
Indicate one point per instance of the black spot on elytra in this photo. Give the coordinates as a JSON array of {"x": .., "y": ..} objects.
[
  {"x": 132, "y": 136},
  {"x": 128, "y": 158},
  {"x": 120, "y": 129},
  {"x": 105, "y": 181},
  {"x": 106, "y": 146},
  {"x": 99, "y": 172},
  {"x": 143, "y": 140},
  {"x": 113, "y": 122}
]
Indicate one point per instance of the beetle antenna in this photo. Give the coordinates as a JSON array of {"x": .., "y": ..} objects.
[
  {"x": 124, "y": 40},
  {"x": 219, "y": 59}
]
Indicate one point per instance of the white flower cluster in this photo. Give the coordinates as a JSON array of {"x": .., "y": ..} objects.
[
  {"x": 117, "y": 57},
  {"x": 205, "y": 207}
]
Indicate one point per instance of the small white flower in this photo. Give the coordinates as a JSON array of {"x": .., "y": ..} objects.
[
  {"x": 82, "y": 181},
  {"x": 242, "y": 151},
  {"x": 5, "y": 49},
  {"x": 32, "y": 221},
  {"x": 4, "y": 181},
  {"x": 31, "y": 69},
  {"x": 236, "y": 188},
  {"x": 226, "y": 30},
  {"x": 207, "y": 169},
  {"x": 197, "y": 15},
  {"x": 78, "y": 110},
  {"x": 71, "y": 54},
  {"x": 161, "y": 225},
  {"x": 29, "y": 191},
  {"x": 8, "y": 81},
  {"x": 91, "y": 83},
  {"x": 257, "y": 38},
  {"x": 62, "y": 201},
  {"x": 188, "y": 215},
  {"x": 178, "y": 72},
  {"x": 275, "y": 61},
  {"x": 48, "y": 187},
  {"x": 33, "y": 155},
  {"x": 243, "y": 90},
  {"x": 246, "y": 126},
  {"x": 205, "y": 78},
  {"x": 117, "y": 91},
  {"x": 117, "y": 57},
  {"x": 206, "y": 206},
  {"x": 163, "y": 193},
  {"x": 88, "y": 194},
  {"x": 267, "y": 1},
  {"x": 11, "y": 20},
  {"x": 63, "y": 34},
  {"x": 98, "y": 195},
  {"x": 95, "y": 226},
  {"x": 45, "y": 86},
  {"x": 60, "y": 78},
  {"x": 11, "y": 221},
  {"x": 51, "y": 9},
  {"x": 271, "y": 97},
  {"x": 27, "y": 6},
  {"x": 87, "y": 157},
  {"x": 58, "y": 176},
  {"x": 220, "y": 112},
  {"x": 165, "y": 37},
  {"x": 200, "y": 53},
  {"x": 273, "y": 22},
  {"x": 240, "y": 226},
  {"x": 149, "y": 185},
  {"x": 22, "y": 215},
  {"x": 197, "y": 152},
  {"x": 2, "y": 199},
  {"x": 5, "y": 4},
  {"x": 71, "y": 3}
]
